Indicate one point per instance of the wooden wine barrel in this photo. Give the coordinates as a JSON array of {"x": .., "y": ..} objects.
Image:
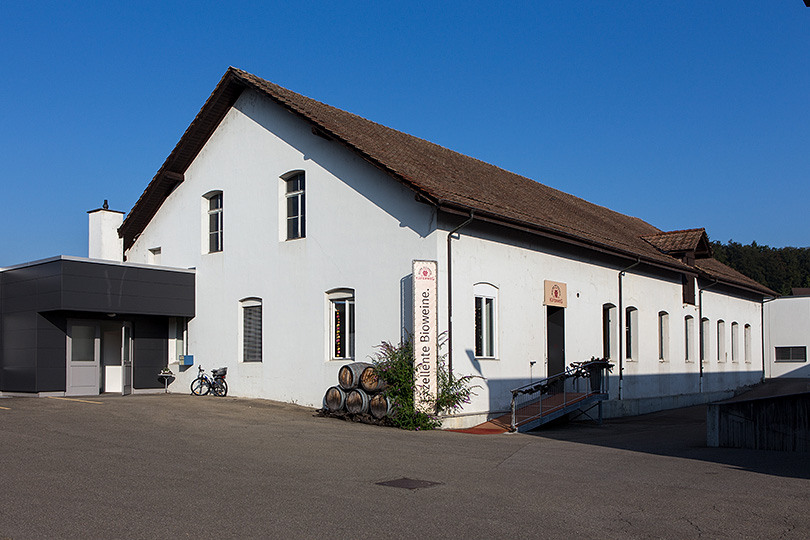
[
  {"x": 334, "y": 399},
  {"x": 357, "y": 402},
  {"x": 370, "y": 382},
  {"x": 349, "y": 375},
  {"x": 379, "y": 405}
]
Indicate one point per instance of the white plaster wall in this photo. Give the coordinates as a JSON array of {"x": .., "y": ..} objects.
[
  {"x": 722, "y": 372},
  {"x": 787, "y": 324},
  {"x": 519, "y": 270},
  {"x": 362, "y": 233}
]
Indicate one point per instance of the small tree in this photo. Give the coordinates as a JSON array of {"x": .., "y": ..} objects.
[{"x": 394, "y": 365}]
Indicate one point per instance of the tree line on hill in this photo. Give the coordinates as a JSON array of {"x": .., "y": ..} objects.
[{"x": 779, "y": 269}]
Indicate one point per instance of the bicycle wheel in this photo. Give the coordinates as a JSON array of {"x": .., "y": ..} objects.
[
  {"x": 220, "y": 388},
  {"x": 200, "y": 387}
]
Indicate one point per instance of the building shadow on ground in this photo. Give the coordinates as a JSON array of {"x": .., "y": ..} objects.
[{"x": 679, "y": 433}]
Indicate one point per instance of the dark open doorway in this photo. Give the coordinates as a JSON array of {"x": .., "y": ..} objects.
[{"x": 555, "y": 339}]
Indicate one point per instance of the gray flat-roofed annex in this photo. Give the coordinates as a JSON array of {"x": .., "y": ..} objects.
[
  {"x": 74, "y": 284},
  {"x": 38, "y": 299}
]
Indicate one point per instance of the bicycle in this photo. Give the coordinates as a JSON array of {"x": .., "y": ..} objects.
[{"x": 204, "y": 383}]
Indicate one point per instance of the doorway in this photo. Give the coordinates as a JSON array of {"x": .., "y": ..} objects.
[
  {"x": 99, "y": 358},
  {"x": 555, "y": 340}
]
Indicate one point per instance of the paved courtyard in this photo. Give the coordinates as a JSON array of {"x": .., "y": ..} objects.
[{"x": 176, "y": 466}]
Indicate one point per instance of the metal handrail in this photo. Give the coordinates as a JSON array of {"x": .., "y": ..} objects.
[{"x": 592, "y": 370}]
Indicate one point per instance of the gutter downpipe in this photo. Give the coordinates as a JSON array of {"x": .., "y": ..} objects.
[
  {"x": 450, "y": 293},
  {"x": 701, "y": 337},
  {"x": 621, "y": 327},
  {"x": 762, "y": 331}
]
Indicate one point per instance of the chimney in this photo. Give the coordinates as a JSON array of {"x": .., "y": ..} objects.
[{"x": 104, "y": 242}]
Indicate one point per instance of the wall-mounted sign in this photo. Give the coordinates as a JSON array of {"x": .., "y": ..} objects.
[
  {"x": 425, "y": 335},
  {"x": 556, "y": 294}
]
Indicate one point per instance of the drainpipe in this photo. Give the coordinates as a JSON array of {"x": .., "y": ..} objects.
[
  {"x": 762, "y": 332},
  {"x": 621, "y": 326},
  {"x": 701, "y": 337},
  {"x": 450, "y": 293}
]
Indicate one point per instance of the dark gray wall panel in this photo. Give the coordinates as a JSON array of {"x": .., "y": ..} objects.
[{"x": 119, "y": 289}]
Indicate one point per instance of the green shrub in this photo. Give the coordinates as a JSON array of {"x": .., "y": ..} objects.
[{"x": 394, "y": 365}]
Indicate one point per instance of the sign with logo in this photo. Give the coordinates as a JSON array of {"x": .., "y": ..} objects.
[
  {"x": 425, "y": 336},
  {"x": 556, "y": 294}
]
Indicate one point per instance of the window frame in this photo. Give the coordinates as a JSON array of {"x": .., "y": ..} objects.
[
  {"x": 663, "y": 336},
  {"x": 705, "y": 338},
  {"x": 252, "y": 330},
  {"x": 297, "y": 194},
  {"x": 747, "y": 343},
  {"x": 631, "y": 334},
  {"x": 214, "y": 213},
  {"x": 609, "y": 327},
  {"x": 345, "y": 331},
  {"x": 721, "y": 341},
  {"x": 795, "y": 354},
  {"x": 735, "y": 338},
  {"x": 485, "y": 321},
  {"x": 688, "y": 338}
]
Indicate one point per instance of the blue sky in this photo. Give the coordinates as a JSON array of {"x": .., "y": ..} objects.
[{"x": 685, "y": 114}]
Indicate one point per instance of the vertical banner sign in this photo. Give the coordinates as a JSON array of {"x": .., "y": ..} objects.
[{"x": 425, "y": 336}]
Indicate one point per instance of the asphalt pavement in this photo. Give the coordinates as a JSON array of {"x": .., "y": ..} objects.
[{"x": 177, "y": 466}]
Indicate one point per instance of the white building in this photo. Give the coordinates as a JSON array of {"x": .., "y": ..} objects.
[
  {"x": 302, "y": 222},
  {"x": 787, "y": 335}
]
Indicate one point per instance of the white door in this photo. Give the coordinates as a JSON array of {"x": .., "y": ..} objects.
[
  {"x": 83, "y": 351},
  {"x": 126, "y": 359}
]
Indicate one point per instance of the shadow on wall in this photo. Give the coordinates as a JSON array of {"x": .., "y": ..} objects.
[
  {"x": 797, "y": 370},
  {"x": 644, "y": 393}
]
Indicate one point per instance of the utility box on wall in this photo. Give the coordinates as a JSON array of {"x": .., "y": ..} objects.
[{"x": 186, "y": 359}]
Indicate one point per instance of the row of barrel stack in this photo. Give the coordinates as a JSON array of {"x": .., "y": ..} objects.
[{"x": 359, "y": 391}]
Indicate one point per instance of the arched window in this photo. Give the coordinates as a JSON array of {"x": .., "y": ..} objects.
[
  {"x": 294, "y": 194},
  {"x": 486, "y": 315},
  {"x": 251, "y": 329},
  {"x": 631, "y": 333},
  {"x": 704, "y": 339},
  {"x": 663, "y": 336},
  {"x": 735, "y": 339},
  {"x": 721, "y": 340},
  {"x": 214, "y": 212},
  {"x": 341, "y": 331},
  {"x": 609, "y": 331},
  {"x": 689, "y": 338},
  {"x": 747, "y": 342}
]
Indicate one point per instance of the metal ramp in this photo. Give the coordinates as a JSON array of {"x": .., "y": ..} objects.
[{"x": 579, "y": 389}]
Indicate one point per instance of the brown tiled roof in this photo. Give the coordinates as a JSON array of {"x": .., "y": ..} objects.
[
  {"x": 714, "y": 269},
  {"x": 452, "y": 181},
  {"x": 677, "y": 241}
]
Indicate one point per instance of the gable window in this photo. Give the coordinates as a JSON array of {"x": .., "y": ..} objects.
[
  {"x": 630, "y": 332},
  {"x": 689, "y": 337},
  {"x": 721, "y": 341},
  {"x": 342, "y": 329},
  {"x": 251, "y": 329},
  {"x": 791, "y": 354},
  {"x": 485, "y": 319},
  {"x": 296, "y": 206},
  {"x": 214, "y": 221},
  {"x": 663, "y": 336}
]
